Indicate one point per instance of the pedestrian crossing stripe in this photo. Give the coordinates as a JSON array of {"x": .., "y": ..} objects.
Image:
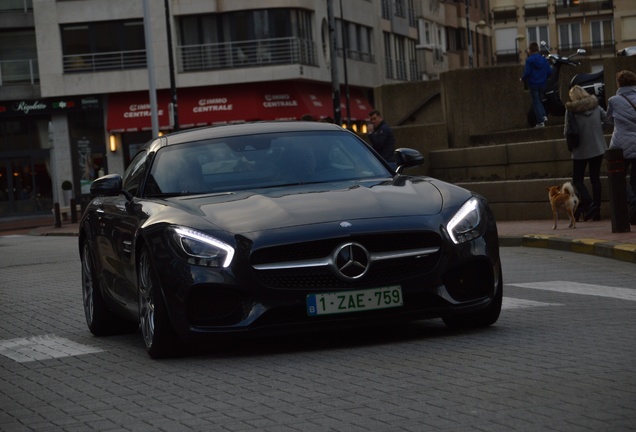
[
  {"x": 44, "y": 347},
  {"x": 515, "y": 303},
  {"x": 569, "y": 287}
]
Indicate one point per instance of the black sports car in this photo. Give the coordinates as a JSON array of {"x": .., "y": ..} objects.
[{"x": 283, "y": 226}]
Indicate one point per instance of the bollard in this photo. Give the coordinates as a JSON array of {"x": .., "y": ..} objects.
[
  {"x": 56, "y": 214},
  {"x": 618, "y": 190},
  {"x": 73, "y": 211}
]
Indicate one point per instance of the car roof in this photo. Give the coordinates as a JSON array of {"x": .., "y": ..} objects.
[{"x": 255, "y": 128}]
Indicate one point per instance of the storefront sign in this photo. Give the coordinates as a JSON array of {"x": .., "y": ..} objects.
[{"x": 49, "y": 106}]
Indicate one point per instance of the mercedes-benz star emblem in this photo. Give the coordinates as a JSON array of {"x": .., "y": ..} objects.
[{"x": 351, "y": 261}]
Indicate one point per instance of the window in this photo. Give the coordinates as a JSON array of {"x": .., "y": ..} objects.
[
  {"x": 426, "y": 39},
  {"x": 602, "y": 33},
  {"x": 388, "y": 55},
  {"x": 103, "y": 45},
  {"x": 245, "y": 38},
  {"x": 356, "y": 38},
  {"x": 538, "y": 34},
  {"x": 570, "y": 36},
  {"x": 135, "y": 173}
]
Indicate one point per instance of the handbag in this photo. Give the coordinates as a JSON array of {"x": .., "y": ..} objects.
[{"x": 572, "y": 134}]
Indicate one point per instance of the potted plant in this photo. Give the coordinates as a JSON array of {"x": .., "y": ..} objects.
[{"x": 67, "y": 187}]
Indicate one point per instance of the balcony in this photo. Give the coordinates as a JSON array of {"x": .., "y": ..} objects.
[
  {"x": 16, "y": 6},
  {"x": 595, "y": 49},
  {"x": 536, "y": 11},
  {"x": 507, "y": 57},
  {"x": 585, "y": 7},
  {"x": 504, "y": 14},
  {"x": 255, "y": 53},
  {"x": 15, "y": 72},
  {"x": 97, "y": 62}
]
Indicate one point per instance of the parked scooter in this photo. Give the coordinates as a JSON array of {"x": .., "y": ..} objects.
[{"x": 551, "y": 99}]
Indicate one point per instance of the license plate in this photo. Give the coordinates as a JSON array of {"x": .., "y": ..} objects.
[{"x": 354, "y": 301}]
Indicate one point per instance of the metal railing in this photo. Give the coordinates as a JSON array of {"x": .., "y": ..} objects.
[
  {"x": 537, "y": 10},
  {"x": 507, "y": 57},
  {"x": 94, "y": 62},
  {"x": 16, "y": 6},
  {"x": 357, "y": 55},
  {"x": 232, "y": 55},
  {"x": 14, "y": 72},
  {"x": 585, "y": 6},
  {"x": 599, "y": 49},
  {"x": 504, "y": 14}
]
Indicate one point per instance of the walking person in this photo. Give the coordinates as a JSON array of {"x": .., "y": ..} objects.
[
  {"x": 382, "y": 138},
  {"x": 621, "y": 110},
  {"x": 535, "y": 74},
  {"x": 589, "y": 117}
]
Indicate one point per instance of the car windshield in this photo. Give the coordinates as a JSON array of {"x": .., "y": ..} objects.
[{"x": 259, "y": 161}]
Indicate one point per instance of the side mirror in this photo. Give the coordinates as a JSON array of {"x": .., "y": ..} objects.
[
  {"x": 406, "y": 157},
  {"x": 109, "y": 185},
  {"x": 581, "y": 51}
]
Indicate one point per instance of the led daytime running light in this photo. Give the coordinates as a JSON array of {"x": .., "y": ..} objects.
[
  {"x": 464, "y": 212},
  {"x": 200, "y": 237}
]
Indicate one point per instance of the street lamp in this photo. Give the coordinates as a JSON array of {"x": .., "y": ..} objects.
[
  {"x": 518, "y": 39},
  {"x": 480, "y": 25},
  {"x": 470, "y": 41}
]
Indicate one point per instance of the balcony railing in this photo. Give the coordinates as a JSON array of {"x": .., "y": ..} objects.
[
  {"x": 95, "y": 62},
  {"x": 599, "y": 49},
  {"x": 230, "y": 55},
  {"x": 508, "y": 57},
  {"x": 13, "y": 72},
  {"x": 16, "y": 6},
  {"x": 504, "y": 14},
  {"x": 536, "y": 11},
  {"x": 585, "y": 6},
  {"x": 357, "y": 55}
]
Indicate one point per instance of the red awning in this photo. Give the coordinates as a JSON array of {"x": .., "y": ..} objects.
[
  {"x": 130, "y": 112},
  {"x": 277, "y": 100}
]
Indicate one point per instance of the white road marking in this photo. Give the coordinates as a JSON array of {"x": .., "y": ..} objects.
[
  {"x": 582, "y": 289},
  {"x": 514, "y": 303},
  {"x": 36, "y": 348}
]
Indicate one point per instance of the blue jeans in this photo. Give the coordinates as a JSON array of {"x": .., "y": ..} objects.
[{"x": 537, "y": 94}]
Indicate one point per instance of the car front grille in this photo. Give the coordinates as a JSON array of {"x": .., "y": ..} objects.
[{"x": 325, "y": 277}]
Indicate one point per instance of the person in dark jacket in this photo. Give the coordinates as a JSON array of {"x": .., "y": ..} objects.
[
  {"x": 382, "y": 138},
  {"x": 621, "y": 111},
  {"x": 536, "y": 73},
  {"x": 590, "y": 118}
]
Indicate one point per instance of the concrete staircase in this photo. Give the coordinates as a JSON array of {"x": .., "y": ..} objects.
[{"x": 512, "y": 170}]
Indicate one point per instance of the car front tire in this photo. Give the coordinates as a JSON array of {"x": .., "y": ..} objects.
[
  {"x": 159, "y": 336},
  {"x": 101, "y": 321}
]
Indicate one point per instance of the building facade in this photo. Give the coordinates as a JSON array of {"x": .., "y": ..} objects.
[
  {"x": 75, "y": 77},
  {"x": 601, "y": 27}
]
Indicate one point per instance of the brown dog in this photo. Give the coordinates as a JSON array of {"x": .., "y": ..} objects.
[{"x": 563, "y": 198}]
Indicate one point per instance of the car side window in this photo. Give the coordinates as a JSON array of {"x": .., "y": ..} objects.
[{"x": 135, "y": 173}]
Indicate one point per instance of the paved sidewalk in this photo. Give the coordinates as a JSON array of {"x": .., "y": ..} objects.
[{"x": 594, "y": 238}]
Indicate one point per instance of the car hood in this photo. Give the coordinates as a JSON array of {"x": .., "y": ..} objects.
[{"x": 257, "y": 210}]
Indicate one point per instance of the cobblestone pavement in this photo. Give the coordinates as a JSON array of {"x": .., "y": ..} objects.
[{"x": 561, "y": 358}]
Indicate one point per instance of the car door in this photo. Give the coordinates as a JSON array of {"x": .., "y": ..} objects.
[{"x": 121, "y": 218}]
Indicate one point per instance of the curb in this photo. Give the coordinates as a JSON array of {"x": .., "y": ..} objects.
[{"x": 602, "y": 248}]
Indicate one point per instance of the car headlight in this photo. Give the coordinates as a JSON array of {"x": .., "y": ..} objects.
[
  {"x": 464, "y": 226},
  {"x": 201, "y": 249}
]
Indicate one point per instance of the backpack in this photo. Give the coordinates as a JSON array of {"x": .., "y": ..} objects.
[{"x": 572, "y": 135}]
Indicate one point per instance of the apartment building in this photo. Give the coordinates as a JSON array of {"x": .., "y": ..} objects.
[
  {"x": 75, "y": 76},
  {"x": 601, "y": 27}
]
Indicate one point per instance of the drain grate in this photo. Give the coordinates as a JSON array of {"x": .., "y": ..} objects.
[{"x": 45, "y": 347}]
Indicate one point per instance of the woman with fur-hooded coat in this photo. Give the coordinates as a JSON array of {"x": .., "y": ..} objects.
[{"x": 590, "y": 151}]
